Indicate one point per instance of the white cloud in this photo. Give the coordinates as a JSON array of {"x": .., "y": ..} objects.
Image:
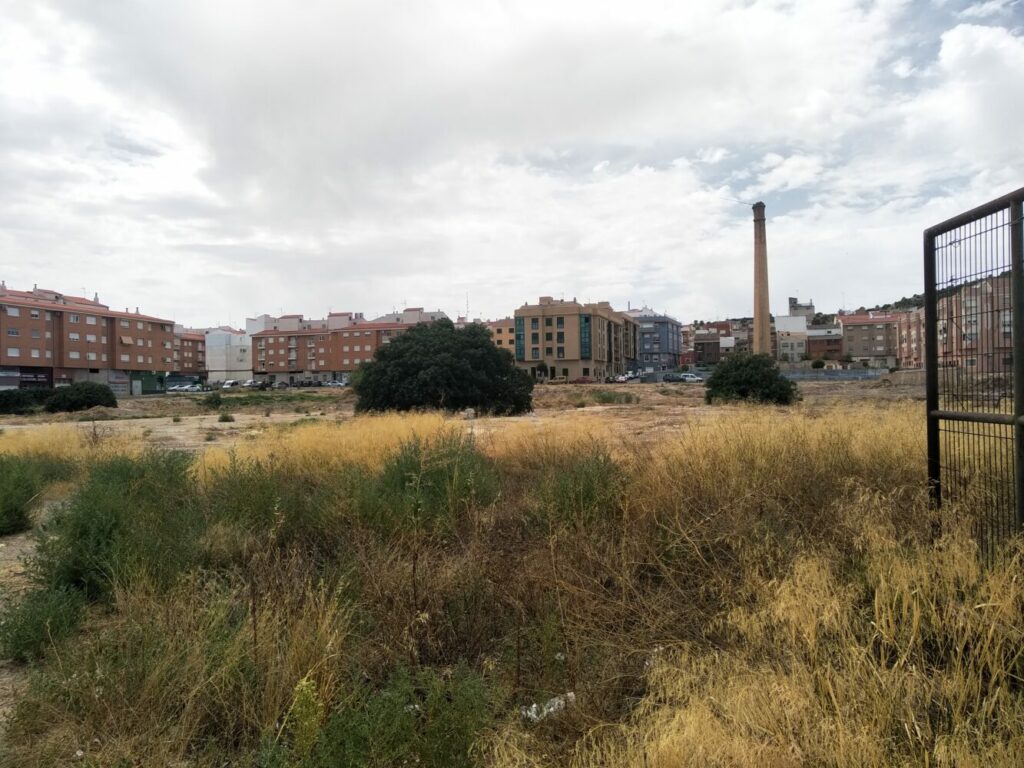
[{"x": 987, "y": 9}]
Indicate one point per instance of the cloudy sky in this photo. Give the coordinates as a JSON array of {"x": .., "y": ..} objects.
[{"x": 211, "y": 160}]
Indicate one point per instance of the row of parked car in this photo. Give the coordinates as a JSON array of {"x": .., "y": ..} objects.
[{"x": 264, "y": 385}]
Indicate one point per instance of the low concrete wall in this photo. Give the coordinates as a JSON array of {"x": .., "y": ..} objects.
[{"x": 913, "y": 378}]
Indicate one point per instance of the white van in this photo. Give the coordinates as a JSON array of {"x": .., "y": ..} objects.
[{"x": 231, "y": 384}]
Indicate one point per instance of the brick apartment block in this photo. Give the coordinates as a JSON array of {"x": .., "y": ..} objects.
[{"x": 51, "y": 339}]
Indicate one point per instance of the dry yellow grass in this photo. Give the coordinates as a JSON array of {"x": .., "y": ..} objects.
[{"x": 71, "y": 442}]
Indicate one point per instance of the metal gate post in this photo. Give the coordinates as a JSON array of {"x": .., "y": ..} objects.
[
  {"x": 1017, "y": 278},
  {"x": 931, "y": 369}
]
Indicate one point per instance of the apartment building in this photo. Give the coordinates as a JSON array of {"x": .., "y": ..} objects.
[
  {"x": 825, "y": 342},
  {"x": 707, "y": 346},
  {"x": 319, "y": 354},
  {"x": 871, "y": 337},
  {"x": 503, "y": 333},
  {"x": 189, "y": 353},
  {"x": 975, "y": 326},
  {"x": 575, "y": 340},
  {"x": 48, "y": 338},
  {"x": 412, "y": 316},
  {"x": 798, "y": 309},
  {"x": 228, "y": 354},
  {"x": 660, "y": 340},
  {"x": 791, "y": 337},
  {"x": 911, "y": 338}
]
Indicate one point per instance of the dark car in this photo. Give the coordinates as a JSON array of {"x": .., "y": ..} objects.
[{"x": 672, "y": 377}]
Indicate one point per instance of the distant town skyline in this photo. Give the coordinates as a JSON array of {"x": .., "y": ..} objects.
[{"x": 212, "y": 161}]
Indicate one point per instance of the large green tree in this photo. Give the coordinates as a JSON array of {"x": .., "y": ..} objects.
[
  {"x": 439, "y": 366},
  {"x": 744, "y": 376}
]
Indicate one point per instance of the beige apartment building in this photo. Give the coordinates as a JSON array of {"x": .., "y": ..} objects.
[
  {"x": 503, "y": 333},
  {"x": 574, "y": 340},
  {"x": 51, "y": 339},
  {"x": 872, "y": 338}
]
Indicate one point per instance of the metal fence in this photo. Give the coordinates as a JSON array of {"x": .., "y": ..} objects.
[{"x": 974, "y": 326}]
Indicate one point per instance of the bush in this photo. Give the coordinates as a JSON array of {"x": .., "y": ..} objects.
[
  {"x": 439, "y": 366},
  {"x": 129, "y": 517},
  {"x": 213, "y": 400},
  {"x": 225, "y": 417},
  {"x": 40, "y": 619},
  {"x": 20, "y": 484},
  {"x": 422, "y": 718},
  {"x": 16, "y": 401},
  {"x": 749, "y": 377},
  {"x": 80, "y": 396},
  {"x": 428, "y": 485},
  {"x": 819, "y": 363}
]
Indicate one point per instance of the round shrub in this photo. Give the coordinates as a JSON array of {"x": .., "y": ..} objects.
[
  {"x": 819, "y": 363},
  {"x": 80, "y": 396},
  {"x": 441, "y": 366},
  {"x": 749, "y": 377}
]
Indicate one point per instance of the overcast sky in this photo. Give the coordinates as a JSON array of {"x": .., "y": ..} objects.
[{"x": 212, "y": 160}]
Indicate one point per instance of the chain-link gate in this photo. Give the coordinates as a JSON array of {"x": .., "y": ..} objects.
[{"x": 974, "y": 324}]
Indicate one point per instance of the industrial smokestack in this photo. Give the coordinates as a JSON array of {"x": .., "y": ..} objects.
[{"x": 762, "y": 328}]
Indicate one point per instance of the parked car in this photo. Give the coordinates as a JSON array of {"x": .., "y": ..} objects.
[
  {"x": 191, "y": 388},
  {"x": 231, "y": 384},
  {"x": 336, "y": 384},
  {"x": 672, "y": 377},
  {"x": 280, "y": 385},
  {"x": 250, "y": 384},
  {"x": 691, "y": 378},
  {"x": 581, "y": 380}
]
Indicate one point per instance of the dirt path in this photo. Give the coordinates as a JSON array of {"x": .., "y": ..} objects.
[{"x": 14, "y": 581}]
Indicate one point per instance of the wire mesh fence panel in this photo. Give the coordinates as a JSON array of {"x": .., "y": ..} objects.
[{"x": 974, "y": 310}]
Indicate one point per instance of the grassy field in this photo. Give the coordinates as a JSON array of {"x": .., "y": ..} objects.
[{"x": 635, "y": 581}]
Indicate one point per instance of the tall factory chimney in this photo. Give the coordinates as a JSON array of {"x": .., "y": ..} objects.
[{"x": 762, "y": 316}]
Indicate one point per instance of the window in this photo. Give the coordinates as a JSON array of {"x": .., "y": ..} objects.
[
  {"x": 13, "y": 332},
  {"x": 139, "y": 325},
  {"x": 560, "y": 337},
  {"x": 90, "y": 320},
  {"x": 548, "y": 351},
  {"x": 138, "y": 358},
  {"x": 534, "y": 323},
  {"x": 103, "y": 356},
  {"x": 535, "y": 353},
  {"x": 535, "y": 338},
  {"x": 586, "y": 371},
  {"x": 90, "y": 355},
  {"x": 125, "y": 358},
  {"x": 91, "y": 338},
  {"x": 13, "y": 312},
  {"x": 35, "y": 353},
  {"x": 547, "y": 336},
  {"x": 140, "y": 342},
  {"x": 560, "y": 353},
  {"x": 73, "y": 318},
  {"x": 73, "y": 336},
  {"x": 124, "y": 323},
  {"x": 74, "y": 355},
  {"x": 36, "y": 334},
  {"x": 511, "y": 330},
  {"x": 560, "y": 322},
  {"x": 13, "y": 352},
  {"x": 547, "y": 322},
  {"x": 498, "y": 330}
]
